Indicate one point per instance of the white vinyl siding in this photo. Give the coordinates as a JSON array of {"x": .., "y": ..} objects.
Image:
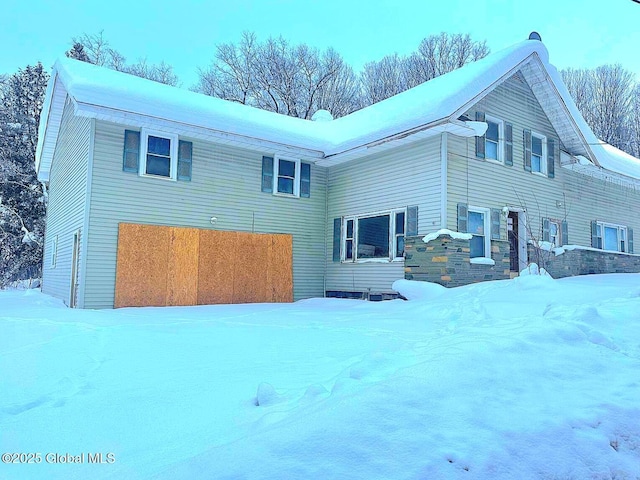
[
  {"x": 569, "y": 196},
  {"x": 387, "y": 181},
  {"x": 66, "y": 205},
  {"x": 225, "y": 184}
]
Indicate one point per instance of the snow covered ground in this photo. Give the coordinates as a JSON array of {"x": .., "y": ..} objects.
[{"x": 531, "y": 378}]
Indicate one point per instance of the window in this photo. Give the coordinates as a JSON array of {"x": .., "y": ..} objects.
[
  {"x": 479, "y": 228},
  {"x": 54, "y": 251},
  {"x": 374, "y": 237},
  {"x": 554, "y": 233},
  {"x": 538, "y": 153},
  {"x": 285, "y": 176},
  {"x": 493, "y": 139},
  {"x": 159, "y": 154},
  {"x": 348, "y": 240},
  {"x": 611, "y": 237}
]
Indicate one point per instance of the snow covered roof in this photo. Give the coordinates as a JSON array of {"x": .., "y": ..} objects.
[
  {"x": 427, "y": 109},
  {"x": 615, "y": 160}
]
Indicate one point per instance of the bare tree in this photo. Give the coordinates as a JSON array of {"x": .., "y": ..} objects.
[
  {"x": 384, "y": 78},
  {"x": 634, "y": 124},
  {"x": 435, "y": 56},
  {"x": 276, "y": 76},
  {"x": 605, "y": 98},
  {"x": 95, "y": 49}
]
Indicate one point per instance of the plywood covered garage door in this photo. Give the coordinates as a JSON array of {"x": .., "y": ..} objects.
[{"x": 158, "y": 266}]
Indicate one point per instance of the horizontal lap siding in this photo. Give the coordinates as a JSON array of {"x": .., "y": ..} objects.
[
  {"x": 66, "y": 203},
  {"x": 486, "y": 184},
  {"x": 225, "y": 184},
  {"x": 394, "y": 179}
]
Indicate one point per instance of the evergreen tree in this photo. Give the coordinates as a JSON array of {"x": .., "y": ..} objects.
[
  {"x": 22, "y": 197},
  {"x": 77, "y": 52}
]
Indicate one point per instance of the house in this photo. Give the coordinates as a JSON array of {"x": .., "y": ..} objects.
[{"x": 161, "y": 196}]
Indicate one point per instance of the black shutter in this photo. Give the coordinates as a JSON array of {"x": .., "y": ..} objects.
[
  {"x": 495, "y": 223},
  {"x": 412, "y": 221},
  {"x": 185, "y": 151},
  {"x": 630, "y": 238},
  {"x": 267, "y": 174},
  {"x": 463, "y": 218},
  {"x": 594, "y": 234},
  {"x": 527, "y": 149},
  {"x": 551, "y": 158},
  {"x": 545, "y": 229},
  {"x": 508, "y": 144},
  {"x": 305, "y": 180},
  {"x": 131, "y": 155},
  {"x": 565, "y": 233},
  {"x": 480, "y": 140},
  {"x": 337, "y": 238}
]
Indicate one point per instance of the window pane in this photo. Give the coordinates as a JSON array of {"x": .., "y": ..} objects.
[
  {"x": 477, "y": 246},
  {"x": 400, "y": 246},
  {"x": 536, "y": 146},
  {"x": 349, "y": 228},
  {"x": 287, "y": 169},
  {"x": 400, "y": 222},
  {"x": 491, "y": 150},
  {"x": 492, "y": 131},
  {"x": 373, "y": 237},
  {"x": 476, "y": 223},
  {"x": 610, "y": 238},
  {"x": 158, "y": 166},
  {"x": 535, "y": 163},
  {"x": 553, "y": 229},
  {"x": 159, "y": 146},
  {"x": 285, "y": 185},
  {"x": 349, "y": 250}
]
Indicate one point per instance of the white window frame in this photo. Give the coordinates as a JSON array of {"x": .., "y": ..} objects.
[
  {"x": 500, "y": 147},
  {"x": 623, "y": 244},
  {"x": 296, "y": 178},
  {"x": 487, "y": 228},
  {"x": 145, "y": 133},
  {"x": 54, "y": 252},
  {"x": 393, "y": 238},
  {"x": 556, "y": 240},
  {"x": 544, "y": 158}
]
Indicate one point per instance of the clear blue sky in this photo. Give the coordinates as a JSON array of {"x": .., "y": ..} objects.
[{"x": 578, "y": 33}]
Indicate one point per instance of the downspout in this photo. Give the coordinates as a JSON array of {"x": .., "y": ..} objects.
[
  {"x": 443, "y": 179},
  {"x": 326, "y": 230}
]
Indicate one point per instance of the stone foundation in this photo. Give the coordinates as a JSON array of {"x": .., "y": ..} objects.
[
  {"x": 446, "y": 261},
  {"x": 584, "y": 262}
]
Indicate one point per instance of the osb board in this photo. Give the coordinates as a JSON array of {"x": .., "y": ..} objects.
[
  {"x": 216, "y": 267},
  {"x": 182, "y": 275},
  {"x": 159, "y": 265},
  {"x": 281, "y": 268},
  {"x": 250, "y": 268},
  {"x": 142, "y": 265}
]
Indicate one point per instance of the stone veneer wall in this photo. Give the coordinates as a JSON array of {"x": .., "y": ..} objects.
[
  {"x": 584, "y": 262},
  {"x": 445, "y": 260}
]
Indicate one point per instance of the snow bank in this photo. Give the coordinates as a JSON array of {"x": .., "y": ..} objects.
[
  {"x": 444, "y": 231},
  {"x": 487, "y": 381},
  {"x": 412, "y": 290}
]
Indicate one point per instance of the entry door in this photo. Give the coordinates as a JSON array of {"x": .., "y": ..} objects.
[{"x": 512, "y": 231}]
